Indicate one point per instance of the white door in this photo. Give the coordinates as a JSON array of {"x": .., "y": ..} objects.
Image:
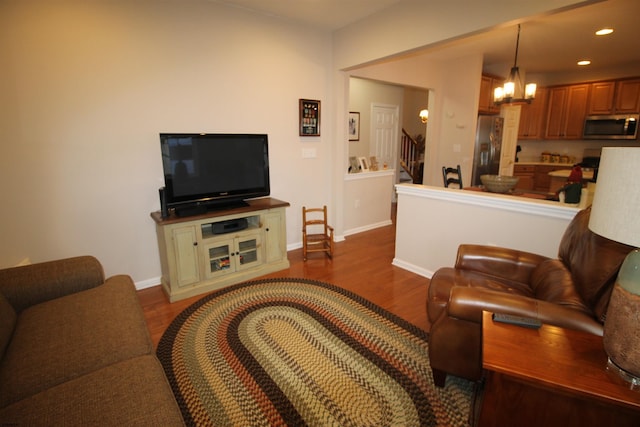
[
  {"x": 384, "y": 134},
  {"x": 511, "y": 114}
]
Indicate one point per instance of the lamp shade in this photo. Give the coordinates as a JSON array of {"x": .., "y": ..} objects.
[{"x": 616, "y": 203}]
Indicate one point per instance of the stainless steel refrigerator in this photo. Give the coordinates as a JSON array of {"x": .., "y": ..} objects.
[{"x": 486, "y": 157}]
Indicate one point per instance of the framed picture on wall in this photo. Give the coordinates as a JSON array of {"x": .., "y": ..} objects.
[
  {"x": 354, "y": 126},
  {"x": 309, "y": 117}
]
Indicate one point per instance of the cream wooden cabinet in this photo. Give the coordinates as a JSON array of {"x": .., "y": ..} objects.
[
  {"x": 185, "y": 250},
  {"x": 197, "y": 255}
]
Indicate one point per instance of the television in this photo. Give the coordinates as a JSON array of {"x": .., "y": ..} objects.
[{"x": 205, "y": 171}]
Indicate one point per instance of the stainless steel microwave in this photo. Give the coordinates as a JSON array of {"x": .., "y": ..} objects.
[{"x": 615, "y": 126}]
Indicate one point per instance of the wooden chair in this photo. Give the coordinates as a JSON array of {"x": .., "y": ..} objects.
[
  {"x": 317, "y": 235},
  {"x": 452, "y": 176}
]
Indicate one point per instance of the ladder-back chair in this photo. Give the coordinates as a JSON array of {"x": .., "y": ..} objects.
[
  {"x": 317, "y": 234},
  {"x": 452, "y": 176}
]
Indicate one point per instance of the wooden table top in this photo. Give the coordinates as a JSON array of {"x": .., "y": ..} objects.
[{"x": 554, "y": 358}]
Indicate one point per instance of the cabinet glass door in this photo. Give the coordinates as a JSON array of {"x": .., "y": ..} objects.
[
  {"x": 249, "y": 251},
  {"x": 220, "y": 258}
]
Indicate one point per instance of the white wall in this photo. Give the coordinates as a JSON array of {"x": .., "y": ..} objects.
[
  {"x": 414, "y": 24},
  {"x": 367, "y": 200},
  {"x": 454, "y": 90},
  {"x": 415, "y": 99},
  {"x": 88, "y": 85},
  {"x": 362, "y": 95},
  {"x": 433, "y": 221}
]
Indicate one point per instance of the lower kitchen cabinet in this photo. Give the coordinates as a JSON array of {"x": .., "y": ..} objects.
[{"x": 526, "y": 175}]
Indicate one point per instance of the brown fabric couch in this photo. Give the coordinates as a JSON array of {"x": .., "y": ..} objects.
[
  {"x": 75, "y": 350},
  {"x": 572, "y": 291}
]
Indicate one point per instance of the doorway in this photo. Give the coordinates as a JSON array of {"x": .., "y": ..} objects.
[{"x": 384, "y": 132}]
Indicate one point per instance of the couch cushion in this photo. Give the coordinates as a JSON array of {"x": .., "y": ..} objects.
[
  {"x": 7, "y": 323},
  {"x": 447, "y": 277},
  {"x": 593, "y": 261},
  {"x": 134, "y": 392},
  {"x": 551, "y": 281},
  {"x": 70, "y": 336}
]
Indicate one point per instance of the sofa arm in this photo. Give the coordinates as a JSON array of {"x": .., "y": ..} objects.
[
  {"x": 500, "y": 262},
  {"x": 469, "y": 303},
  {"x": 32, "y": 284}
]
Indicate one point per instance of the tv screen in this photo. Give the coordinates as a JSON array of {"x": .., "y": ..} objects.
[{"x": 210, "y": 170}]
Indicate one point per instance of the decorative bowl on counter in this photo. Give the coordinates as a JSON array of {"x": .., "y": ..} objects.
[{"x": 499, "y": 183}]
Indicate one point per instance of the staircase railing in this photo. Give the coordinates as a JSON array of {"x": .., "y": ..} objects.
[{"x": 409, "y": 154}]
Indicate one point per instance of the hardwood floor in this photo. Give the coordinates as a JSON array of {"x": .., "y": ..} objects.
[{"x": 361, "y": 264}]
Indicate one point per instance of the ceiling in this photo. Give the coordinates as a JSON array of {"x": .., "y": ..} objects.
[
  {"x": 548, "y": 44},
  {"x": 323, "y": 14}
]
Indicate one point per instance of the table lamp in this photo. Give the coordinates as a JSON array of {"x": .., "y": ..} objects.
[{"x": 615, "y": 214}]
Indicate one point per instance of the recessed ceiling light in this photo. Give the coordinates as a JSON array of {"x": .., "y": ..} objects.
[
  {"x": 584, "y": 62},
  {"x": 604, "y": 31}
]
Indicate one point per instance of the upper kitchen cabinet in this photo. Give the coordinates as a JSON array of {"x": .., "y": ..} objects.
[
  {"x": 602, "y": 94},
  {"x": 615, "y": 97},
  {"x": 532, "y": 116},
  {"x": 627, "y": 96},
  {"x": 566, "y": 112},
  {"x": 487, "y": 85}
]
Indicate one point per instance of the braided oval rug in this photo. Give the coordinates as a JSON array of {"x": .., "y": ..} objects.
[{"x": 300, "y": 352}]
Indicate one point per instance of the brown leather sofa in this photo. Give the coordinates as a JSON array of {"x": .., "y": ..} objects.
[
  {"x": 75, "y": 350},
  {"x": 572, "y": 291}
]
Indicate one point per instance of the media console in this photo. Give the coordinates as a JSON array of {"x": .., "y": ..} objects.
[{"x": 219, "y": 248}]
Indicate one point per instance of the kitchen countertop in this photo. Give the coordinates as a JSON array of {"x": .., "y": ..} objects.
[
  {"x": 586, "y": 174},
  {"x": 563, "y": 165},
  {"x": 539, "y": 195}
]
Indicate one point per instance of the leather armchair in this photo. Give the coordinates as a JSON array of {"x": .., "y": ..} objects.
[{"x": 571, "y": 291}]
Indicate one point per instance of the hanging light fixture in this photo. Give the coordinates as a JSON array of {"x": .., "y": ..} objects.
[
  {"x": 424, "y": 115},
  {"x": 513, "y": 90}
]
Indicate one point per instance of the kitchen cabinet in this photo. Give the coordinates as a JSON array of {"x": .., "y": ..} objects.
[
  {"x": 487, "y": 85},
  {"x": 526, "y": 174},
  {"x": 541, "y": 179},
  {"x": 627, "y": 96},
  {"x": 566, "y": 112},
  {"x": 532, "y": 116},
  {"x": 615, "y": 97},
  {"x": 601, "y": 101}
]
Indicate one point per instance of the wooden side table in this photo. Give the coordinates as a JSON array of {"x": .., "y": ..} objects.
[{"x": 550, "y": 377}]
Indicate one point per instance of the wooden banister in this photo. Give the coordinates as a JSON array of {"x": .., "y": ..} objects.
[{"x": 410, "y": 151}]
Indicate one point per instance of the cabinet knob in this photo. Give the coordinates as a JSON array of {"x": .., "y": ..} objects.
[
  {"x": 195, "y": 243},
  {"x": 267, "y": 229}
]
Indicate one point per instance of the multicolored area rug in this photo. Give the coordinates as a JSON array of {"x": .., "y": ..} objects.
[{"x": 299, "y": 352}]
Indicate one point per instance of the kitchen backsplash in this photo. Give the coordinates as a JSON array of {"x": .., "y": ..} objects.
[{"x": 531, "y": 150}]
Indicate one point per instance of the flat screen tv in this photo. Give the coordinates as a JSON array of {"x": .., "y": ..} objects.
[{"x": 209, "y": 171}]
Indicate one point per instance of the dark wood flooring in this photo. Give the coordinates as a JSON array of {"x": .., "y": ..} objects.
[{"x": 361, "y": 264}]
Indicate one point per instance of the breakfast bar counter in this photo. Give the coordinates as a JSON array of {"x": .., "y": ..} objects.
[{"x": 433, "y": 221}]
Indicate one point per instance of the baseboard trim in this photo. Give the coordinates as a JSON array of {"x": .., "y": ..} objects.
[
  {"x": 148, "y": 283},
  {"x": 412, "y": 268},
  {"x": 367, "y": 227}
]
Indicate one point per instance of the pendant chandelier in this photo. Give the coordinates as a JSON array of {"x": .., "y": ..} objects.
[{"x": 513, "y": 91}]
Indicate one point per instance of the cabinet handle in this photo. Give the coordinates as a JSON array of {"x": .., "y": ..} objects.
[
  {"x": 267, "y": 229},
  {"x": 195, "y": 243}
]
